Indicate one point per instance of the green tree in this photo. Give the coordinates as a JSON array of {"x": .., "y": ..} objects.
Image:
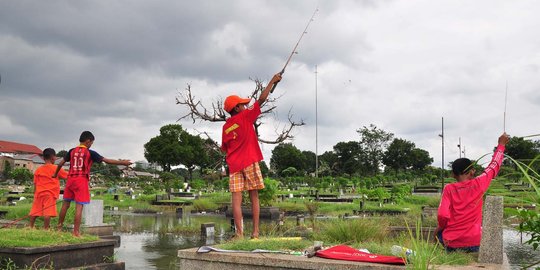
[
  {"x": 420, "y": 159},
  {"x": 7, "y": 169},
  {"x": 347, "y": 157},
  {"x": 175, "y": 146},
  {"x": 373, "y": 142},
  {"x": 328, "y": 163},
  {"x": 286, "y": 155},
  {"x": 21, "y": 175},
  {"x": 309, "y": 164},
  {"x": 398, "y": 154},
  {"x": 521, "y": 149}
]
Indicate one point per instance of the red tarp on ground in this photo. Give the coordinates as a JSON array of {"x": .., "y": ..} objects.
[{"x": 347, "y": 253}]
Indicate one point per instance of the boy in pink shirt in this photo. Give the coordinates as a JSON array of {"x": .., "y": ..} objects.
[{"x": 460, "y": 211}]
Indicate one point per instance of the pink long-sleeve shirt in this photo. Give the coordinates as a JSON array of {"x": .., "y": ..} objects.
[{"x": 460, "y": 210}]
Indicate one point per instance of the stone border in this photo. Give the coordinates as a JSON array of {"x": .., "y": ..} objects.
[{"x": 190, "y": 259}]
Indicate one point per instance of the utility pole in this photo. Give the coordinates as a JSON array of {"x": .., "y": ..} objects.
[
  {"x": 442, "y": 153},
  {"x": 316, "y": 130}
]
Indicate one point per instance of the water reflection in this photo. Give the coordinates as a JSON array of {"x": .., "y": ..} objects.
[
  {"x": 146, "y": 242},
  {"x": 519, "y": 255}
]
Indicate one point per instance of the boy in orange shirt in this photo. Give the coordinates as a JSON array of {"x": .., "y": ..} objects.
[{"x": 46, "y": 190}]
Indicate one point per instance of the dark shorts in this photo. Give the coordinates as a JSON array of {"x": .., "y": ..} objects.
[
  {"x": 450, "y": 249},
  {"x": 77, "y": 190}
]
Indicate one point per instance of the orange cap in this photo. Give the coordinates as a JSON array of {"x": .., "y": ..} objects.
[{"x": 232, "y": 101}]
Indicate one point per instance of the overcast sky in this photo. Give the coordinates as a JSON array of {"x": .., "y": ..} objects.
[{"x": 115, "y": 68}]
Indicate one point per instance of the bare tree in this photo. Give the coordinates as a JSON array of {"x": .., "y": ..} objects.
[{"x": 197, "y": 111}]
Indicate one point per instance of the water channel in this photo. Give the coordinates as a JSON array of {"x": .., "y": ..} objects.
[{"x": 145, "y": 243}]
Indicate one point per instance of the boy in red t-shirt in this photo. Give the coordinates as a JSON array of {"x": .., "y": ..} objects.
[
  {"x": 460, "y": 211},
  {"x": 46, "y": 190},
  {"x": 77, "y": 189},
  {"x": 241, "y": 146}
]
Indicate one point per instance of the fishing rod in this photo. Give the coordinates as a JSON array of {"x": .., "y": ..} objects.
[
  {"x": 296, "y": 46},
  {"x": 505, "y": 102}
]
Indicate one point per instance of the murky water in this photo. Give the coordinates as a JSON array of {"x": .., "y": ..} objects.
[
  {"x": 519, "y": 255},
  {"x": 146, "y": 243}
]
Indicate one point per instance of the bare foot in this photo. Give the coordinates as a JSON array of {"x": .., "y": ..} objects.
[
  {"x": 255, "y": 236},
  {"x": 59, "y": 227},
  {"x": 76, "y": 234}
]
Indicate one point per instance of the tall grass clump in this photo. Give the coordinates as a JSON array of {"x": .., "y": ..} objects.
[
  {"x": 424, "y": 252},
  {"x": 204, "y": 205},
  {"x": 353, "y": 231}
]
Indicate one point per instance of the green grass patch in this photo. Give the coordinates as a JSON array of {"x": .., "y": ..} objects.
[
  {"x": 268, "y": 243},
  {"x": 40, "y": 238}
]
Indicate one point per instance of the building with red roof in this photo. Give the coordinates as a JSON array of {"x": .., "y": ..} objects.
[{"x": 8, "y": 148}]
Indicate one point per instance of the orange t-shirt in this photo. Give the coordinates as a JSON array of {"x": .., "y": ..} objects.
[{"x": 45, "y": 183}]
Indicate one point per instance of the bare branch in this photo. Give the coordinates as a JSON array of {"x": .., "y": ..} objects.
[{"x": 198, "y": 112}]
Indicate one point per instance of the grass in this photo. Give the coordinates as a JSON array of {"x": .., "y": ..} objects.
[
  {"x": 353, "y": 231},
  {"x": 268, "y": 243},
  {"x": 39, "y": 238}
]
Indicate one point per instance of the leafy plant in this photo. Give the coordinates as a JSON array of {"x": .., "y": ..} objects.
[{"x": 268, "y": 193}]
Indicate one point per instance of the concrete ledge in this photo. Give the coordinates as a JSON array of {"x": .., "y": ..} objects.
[
  {"x": 64, "y": 256},
  {"x": 190, "y": 259}
]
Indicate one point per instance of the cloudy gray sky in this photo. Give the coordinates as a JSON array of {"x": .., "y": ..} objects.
[{"x": 115, "y": 68}]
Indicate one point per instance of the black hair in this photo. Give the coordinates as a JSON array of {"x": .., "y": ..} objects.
[
  {"x": 86, "y": 135},
  {"x": 48, "y": 153},
  {"x": 461, "y": 166}
]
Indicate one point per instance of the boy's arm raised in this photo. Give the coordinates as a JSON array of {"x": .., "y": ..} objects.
[
  {"x": 268, "y": 89},
  {"x": 125, "y": 162}
]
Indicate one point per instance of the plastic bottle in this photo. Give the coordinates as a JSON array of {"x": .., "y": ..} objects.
[{"x": 401, "y": 251}]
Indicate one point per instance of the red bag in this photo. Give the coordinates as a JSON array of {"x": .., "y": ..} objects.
[{"x": 347, "y": 253}]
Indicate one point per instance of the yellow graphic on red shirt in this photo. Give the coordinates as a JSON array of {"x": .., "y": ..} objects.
[{"x": 231, "y": 128}]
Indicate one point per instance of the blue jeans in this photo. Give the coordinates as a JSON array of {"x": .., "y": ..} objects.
[{"x": 450, "y": 249}]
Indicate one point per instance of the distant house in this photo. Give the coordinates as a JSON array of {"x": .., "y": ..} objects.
[
  {"x": 130, "y": 173},
  {"x": 29, "y": 161},
  {"x": 11, "y": 149},
  {"x": 19, "y": 155}
]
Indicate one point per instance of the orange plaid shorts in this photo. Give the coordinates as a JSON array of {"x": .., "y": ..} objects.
[{"x": 249, "y": 178}]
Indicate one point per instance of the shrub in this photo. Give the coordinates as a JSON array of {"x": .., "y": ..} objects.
[
  {"x": 268, "y": 193},
  {"x": 204, "y": 205}
]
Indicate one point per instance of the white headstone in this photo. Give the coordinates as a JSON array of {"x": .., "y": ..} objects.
[
  {"x": 291, "y": 195},
  {"x": 93, "y": 213}
]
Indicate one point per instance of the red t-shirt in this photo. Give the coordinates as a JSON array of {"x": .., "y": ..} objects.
[
  {"x": 239, "y": 139},
  {"x": 80, "y": 161},
  {"x": 45, "y": 183},
  {"x": 460, "y": 210}
]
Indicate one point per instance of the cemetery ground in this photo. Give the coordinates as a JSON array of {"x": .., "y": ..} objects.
[{"x": 373, "y": 219}]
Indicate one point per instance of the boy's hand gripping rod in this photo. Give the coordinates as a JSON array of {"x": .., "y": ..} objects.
[{"x": 296, "y": 46}]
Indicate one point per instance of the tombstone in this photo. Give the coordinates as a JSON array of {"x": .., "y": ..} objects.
[
  {"x": 133, "y": 197},
  {"x": 158, "y": 198},
  {"x": 179, "y": 212},
  {"x": 317, "y": 195},
  {"x": 93, "y": 213},
  {"x": 208, "y": 230},
  {"x": 299, "y": 220},
  {"x": 491, "y": 245},
  {"x": 361, "y": 205},
  {"x": 340, "y": 192},
  {"x": 171, "y": 190},
  {"x": 291, "y": 196},
  {"x": 116, "y": 197},
  {"x": 115, "y": 208}
]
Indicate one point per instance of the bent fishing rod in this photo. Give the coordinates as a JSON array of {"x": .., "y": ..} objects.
[{"x": 295, "y": 47}]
